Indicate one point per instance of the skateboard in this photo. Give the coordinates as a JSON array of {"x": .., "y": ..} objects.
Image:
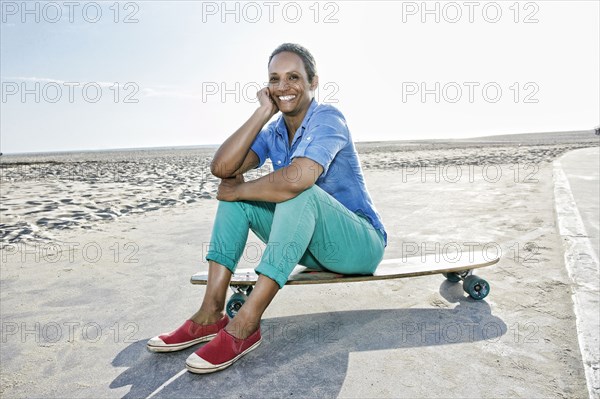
[{"x": 455, "y": 270}]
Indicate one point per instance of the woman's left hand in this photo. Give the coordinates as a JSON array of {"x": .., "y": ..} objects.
[{"x": 228, "y": 189}]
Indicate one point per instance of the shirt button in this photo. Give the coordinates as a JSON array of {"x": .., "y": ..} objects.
[
  {"x": 308, "y": 138},
  {"x": 279, "y": 162}
]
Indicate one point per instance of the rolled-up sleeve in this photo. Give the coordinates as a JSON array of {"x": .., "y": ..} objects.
[
  {"x": 322, "y": 142},
  {"x": 260, "y": 145}
]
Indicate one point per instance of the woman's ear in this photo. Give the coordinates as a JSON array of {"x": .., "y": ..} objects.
[{"x": 315, "y": 83}]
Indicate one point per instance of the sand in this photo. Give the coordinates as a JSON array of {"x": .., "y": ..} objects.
[{"x": 93, "y": 265}]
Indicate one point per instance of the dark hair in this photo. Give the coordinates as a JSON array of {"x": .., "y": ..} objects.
[{"x": 309, "y": 62}]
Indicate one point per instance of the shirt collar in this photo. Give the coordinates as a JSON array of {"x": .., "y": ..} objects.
[{"x": 281, "y": 129}]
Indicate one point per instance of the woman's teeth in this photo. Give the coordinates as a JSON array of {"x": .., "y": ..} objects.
[{"x": 287, "y": 98}]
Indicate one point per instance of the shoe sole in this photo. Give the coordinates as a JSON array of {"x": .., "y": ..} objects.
[
  {"x": 178, "y": 347},
  {"x": 221, "y": 366}
]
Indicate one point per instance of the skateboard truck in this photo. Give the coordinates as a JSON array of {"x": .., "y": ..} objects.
[
  {"x": 240, "y": 295},
  {"x": 476, "y": 287}
]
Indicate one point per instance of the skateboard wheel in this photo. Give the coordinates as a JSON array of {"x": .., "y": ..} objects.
[
  {"x": 452, "y": 277},
  {"x": 476, "y": 287},
  {"x": 235, "y": 303}
]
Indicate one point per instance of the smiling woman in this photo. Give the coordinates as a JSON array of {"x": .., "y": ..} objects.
[
  {"x": 313, "y": 209},
  {"x": 286, "y": 75}
]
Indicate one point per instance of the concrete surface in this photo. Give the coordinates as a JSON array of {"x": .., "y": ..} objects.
[{"x": 76, "y": 325}]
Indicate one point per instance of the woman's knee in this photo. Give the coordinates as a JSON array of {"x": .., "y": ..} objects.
[
  {"x": 234, "y": 208},
  {"x": 229, "y": 205},
  {"x": 228, "y": 211},
  {"x": 305, "y": 196}
]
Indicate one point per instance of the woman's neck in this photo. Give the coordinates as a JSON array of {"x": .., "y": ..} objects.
[{"x": 293, "y": 123}]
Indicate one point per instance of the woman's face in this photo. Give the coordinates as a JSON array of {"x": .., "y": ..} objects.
[{"x": 288, "y": 83}]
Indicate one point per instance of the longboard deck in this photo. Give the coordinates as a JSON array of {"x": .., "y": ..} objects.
[{"x": 387, "y": 269}]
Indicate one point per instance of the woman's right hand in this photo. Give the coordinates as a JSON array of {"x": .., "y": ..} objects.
[{"x": 266, "y": 102}]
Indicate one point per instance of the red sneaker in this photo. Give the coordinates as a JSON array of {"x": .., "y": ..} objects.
[
  {"x": 221, "y": 352},
  {"x": 188, "y": 334}
]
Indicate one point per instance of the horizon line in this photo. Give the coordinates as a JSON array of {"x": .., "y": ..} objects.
[{"x": 216, "y": 145}]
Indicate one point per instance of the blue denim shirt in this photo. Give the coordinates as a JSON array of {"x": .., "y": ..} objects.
[{"x": 323, "y": 137}]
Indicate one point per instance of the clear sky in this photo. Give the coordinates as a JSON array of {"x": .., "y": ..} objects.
[{"x": 87, "y": 75}]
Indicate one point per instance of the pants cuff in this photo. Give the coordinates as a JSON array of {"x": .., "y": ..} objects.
[
  {"x": 223, "y": 260},
  {"x": 273, "y": 273}
]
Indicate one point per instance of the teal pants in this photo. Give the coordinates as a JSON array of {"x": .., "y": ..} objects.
[{"x": 312, "y": 229}]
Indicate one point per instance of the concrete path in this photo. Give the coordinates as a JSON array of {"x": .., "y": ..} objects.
[
  {"x": 577, "y": 192},
  {"x": 582, "y": 169}
]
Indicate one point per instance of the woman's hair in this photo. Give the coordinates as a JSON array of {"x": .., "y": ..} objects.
[{"x": 309, "y": 62}]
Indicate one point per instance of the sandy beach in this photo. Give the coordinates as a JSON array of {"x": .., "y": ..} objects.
[{"x": 98, "y": 248}]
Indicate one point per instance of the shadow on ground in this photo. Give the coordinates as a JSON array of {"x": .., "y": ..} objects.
[{"x": 307, "y": 355}]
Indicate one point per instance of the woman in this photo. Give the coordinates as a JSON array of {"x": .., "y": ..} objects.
[{"x": 313, "y": 210}]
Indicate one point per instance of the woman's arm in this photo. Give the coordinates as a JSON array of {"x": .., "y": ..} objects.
[
  {"x": 234, "y": 156},
  {"x": 278, "y": 186}
]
